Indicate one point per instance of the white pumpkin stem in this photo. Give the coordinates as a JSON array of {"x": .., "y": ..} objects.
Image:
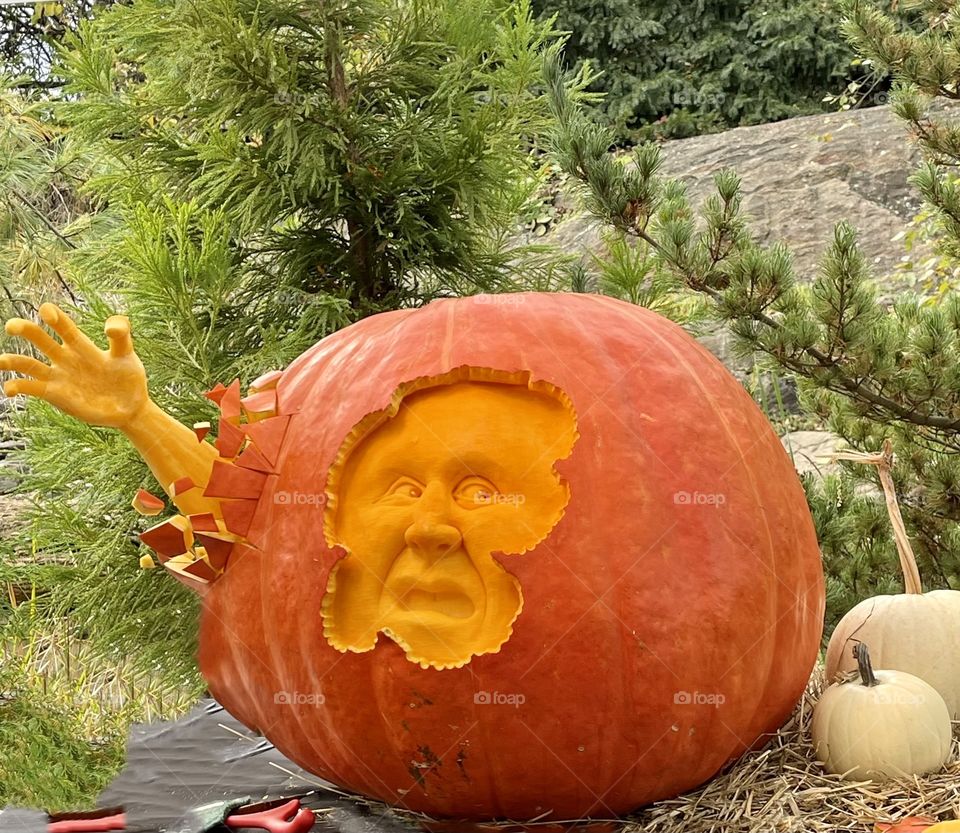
[
  {"x": 883, "y": 461},
  {"x": 862, "y": 655}
]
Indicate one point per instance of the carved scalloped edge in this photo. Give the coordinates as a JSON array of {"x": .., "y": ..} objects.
[{"x": 372, "y": 421}]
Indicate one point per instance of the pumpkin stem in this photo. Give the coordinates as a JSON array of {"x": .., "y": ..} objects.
[
  {"x": 862, "y": 655},
  {"x": 908, "y": 561}
]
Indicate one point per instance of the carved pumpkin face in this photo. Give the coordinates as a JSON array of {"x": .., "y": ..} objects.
[
  {"x": 460, "y": 472},
  {"x": 543, "y": 558}
]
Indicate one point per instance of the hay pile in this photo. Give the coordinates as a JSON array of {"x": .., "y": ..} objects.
[{"x": 782, "y": 789}]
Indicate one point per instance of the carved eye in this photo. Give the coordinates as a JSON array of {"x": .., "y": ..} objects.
[
  {"x": 406, "y": 488},
  {"x": 474, "y": 492}
]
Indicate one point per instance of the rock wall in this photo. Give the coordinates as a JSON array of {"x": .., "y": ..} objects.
[{"x": 800, "y": 176}]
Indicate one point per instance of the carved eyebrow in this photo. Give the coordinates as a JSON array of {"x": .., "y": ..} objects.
[
  {"x": 476, "y": 465},
  {"x": 394, "y": 471},
  {"x": 405, "y": 478}
]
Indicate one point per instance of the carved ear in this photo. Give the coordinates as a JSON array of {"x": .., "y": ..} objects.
[{"x": 196, "y": 549}]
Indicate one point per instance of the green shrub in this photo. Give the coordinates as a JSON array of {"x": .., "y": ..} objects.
[
  {"x": 675, "y": 68},
  {"x": 47, "y": 757}
]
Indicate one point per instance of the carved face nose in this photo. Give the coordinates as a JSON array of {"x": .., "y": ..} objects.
[{"x": 433, "y": 539}]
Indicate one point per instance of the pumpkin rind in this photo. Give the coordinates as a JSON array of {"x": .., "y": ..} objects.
[{"x": 670, "y": 618}]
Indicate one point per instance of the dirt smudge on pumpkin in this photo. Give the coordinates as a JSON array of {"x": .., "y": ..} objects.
[
  {"x": 420, "y": 768},
  {"x": 420, "y": 700},
  {"x": 461, "y": 758}
]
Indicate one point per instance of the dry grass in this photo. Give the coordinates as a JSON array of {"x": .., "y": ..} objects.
[
  {"x": 782, "y": 789},
  {"x": 69, "y": 672}
]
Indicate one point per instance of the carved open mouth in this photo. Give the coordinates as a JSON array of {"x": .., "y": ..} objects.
[{"x": 446, "y": 601}]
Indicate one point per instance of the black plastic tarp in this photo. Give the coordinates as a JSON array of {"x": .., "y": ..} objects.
[{"x": 207, "y": 756}]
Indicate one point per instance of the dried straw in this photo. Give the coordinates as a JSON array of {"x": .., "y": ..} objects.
[{"x": 782, "y": 788}]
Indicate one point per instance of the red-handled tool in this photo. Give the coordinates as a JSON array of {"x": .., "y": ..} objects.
[
  {"x": 289, "y": 817},
  {"x": 284, "y": 815},
  {"x": 96, "y": 822}
]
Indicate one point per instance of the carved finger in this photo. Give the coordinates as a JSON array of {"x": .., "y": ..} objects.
[
  {"x": 28, "y": 387},
  {"x": 25, "y": 365},
  {"x": 117, "y": 329},
  {"x": 61, "y": 323},
  {"x": 36, "y": 335}
]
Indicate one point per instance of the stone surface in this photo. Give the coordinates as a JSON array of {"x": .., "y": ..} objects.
[
  {"x": 808, "y": 450},
  {"x": 800, "y": 176}
]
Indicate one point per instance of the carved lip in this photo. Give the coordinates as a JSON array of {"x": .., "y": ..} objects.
[{"x": 443, "y": 598}]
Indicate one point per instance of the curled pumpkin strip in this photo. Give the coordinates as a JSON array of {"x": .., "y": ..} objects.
[{"x": 197, "y": 548}]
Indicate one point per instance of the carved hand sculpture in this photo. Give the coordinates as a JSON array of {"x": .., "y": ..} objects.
[{"x": 109, "y": 388}]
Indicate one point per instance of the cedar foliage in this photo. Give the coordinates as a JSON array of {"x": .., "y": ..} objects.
[{"x": 676, "y": 68}]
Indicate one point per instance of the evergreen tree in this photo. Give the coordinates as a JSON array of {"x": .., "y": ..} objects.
[
  {"x": 868, "y": 371},
  {"x": 676, "y": 68},
  {"x": 258, "y": 173},
  {"x": 366, "y": 153}
]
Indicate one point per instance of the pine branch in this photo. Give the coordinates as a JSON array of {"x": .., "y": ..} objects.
[
  {"x": 56, "y": 232},
  {"x": 37, "y": 84},
  {"x": 22, "y": 306},
  {"x": 857, "y": 389},
  {"x": 581, "y": 149}
]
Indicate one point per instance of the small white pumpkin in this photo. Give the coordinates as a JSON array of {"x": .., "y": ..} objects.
[
  {"x": 886, "y": 724},
  {"x": 915, "y": 632}
]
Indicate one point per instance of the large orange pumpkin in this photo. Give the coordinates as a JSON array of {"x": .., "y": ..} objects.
[{"x": 655, "y": 607}]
